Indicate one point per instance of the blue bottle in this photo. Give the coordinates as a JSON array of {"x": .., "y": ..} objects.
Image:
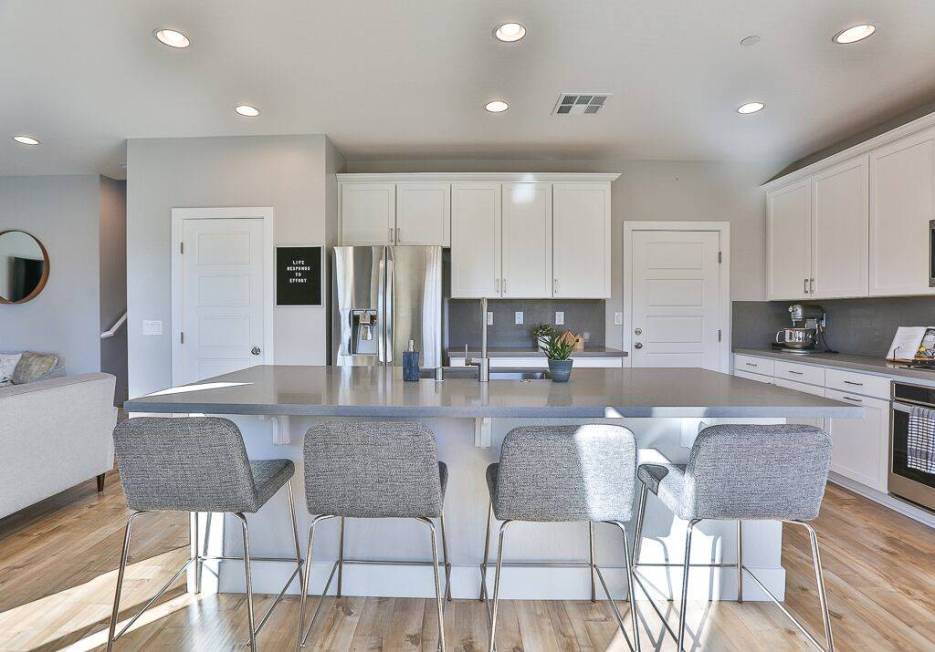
[{"x": 411, "y": 363}]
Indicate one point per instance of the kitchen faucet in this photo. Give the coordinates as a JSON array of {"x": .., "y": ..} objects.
[{"x": 482, "y": 363}]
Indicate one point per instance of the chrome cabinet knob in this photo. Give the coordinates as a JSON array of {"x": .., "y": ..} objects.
[
  {"x": 638, "y": 331},
  {"x": 638, "y": 345},
  {"x": 255, "y": 350}
]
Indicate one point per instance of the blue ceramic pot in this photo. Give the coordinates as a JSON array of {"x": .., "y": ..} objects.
[{"x": 560, "y": 370}]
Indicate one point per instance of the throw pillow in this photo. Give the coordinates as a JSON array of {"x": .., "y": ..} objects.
[
  {"x": 8, "y": 362},
  {"x": 33, "y": 367}
]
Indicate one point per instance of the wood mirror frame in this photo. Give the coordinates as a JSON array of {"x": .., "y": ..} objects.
[{"x": 40, "y": 286}]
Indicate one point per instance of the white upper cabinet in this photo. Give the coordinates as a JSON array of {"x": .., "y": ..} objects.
[
  {"x": 902, "y": 201},
  {"x": 839, "y": 231},
  {"x": 423, "y": 214},
  {"x": 368, "y": 213},
  {"x": 475, "y": 240},
  {"x": 581, "y": 240},
  {"x": 526, "y": 240},
  {"x": 789, "y": 211}
]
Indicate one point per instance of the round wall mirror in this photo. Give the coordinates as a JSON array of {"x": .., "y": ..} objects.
[{"x": 24, "y": 267}]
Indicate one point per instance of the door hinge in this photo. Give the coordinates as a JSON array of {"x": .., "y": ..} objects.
[
  {"x": 720, "y": 257},
  {"x": 182, "y": 337},
  {"x": 719, "y": 335},
  {"x": 181, "y": 247}
]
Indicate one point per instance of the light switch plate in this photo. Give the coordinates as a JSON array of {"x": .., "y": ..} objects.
[
  {"x": 152, "y": 327},
  {"x": 618, "y": 319},
  {"x": 489, "y": 318},
  {"x": 559, "y": 318},
  {"x": 519, "y": 318}
]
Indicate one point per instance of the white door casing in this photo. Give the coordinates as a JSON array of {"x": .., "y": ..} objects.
[
  {"x": 527, "y": 240},
  {"x": 222, "y": 291},
  {"x": 677, "y": 294}
]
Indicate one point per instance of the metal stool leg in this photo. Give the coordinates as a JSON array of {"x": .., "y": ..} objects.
[
  {"x": 641, "y": 512},
  {"x": 439, "y": 599},
  {"x": 123, "y": 566},
  {"x": 295, "y": 539},
  {"x": 591, "y": 557},
  {"x": 739, "y": 560},
  {"x": 483, "y": 567},
  {"x": 496, "y": 588},
  {"x": 820, "y": 579},
  {"x": 340, "y": 556},
  {"x": 441, "y": 520},
  {"x": 303, "y": 635},
  {"x": 249, "y": 579},
  {"x": 195, "y": 550},
  {"x": 685, "y": 571}
]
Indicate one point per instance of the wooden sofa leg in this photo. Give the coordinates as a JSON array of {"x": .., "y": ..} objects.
[{"x": 100, "y": 482}]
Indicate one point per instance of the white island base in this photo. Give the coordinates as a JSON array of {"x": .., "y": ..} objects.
[{"x": 467, "y": 446}]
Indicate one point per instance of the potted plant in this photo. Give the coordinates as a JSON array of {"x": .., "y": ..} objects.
[
  {"x": 541, "y": 334},
  {"x": 558, "y": 352}
]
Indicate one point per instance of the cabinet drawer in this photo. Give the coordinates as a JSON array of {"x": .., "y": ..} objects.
[
  {"x": 799, "y": 387},
  {"x": 749, "y": 376},
  {"x": 860, "y": 447},
  {"x": 853, "y": 383},
  {"x": 800, "y": 373},
  {"x": 753, "y": 365}
]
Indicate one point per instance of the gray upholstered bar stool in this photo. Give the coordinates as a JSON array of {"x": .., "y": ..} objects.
[
  {"x": 197, "y": 465},
  {"x": 744, "y": 472},
  {"x": 564, "y": 473},
  {"x": 373, "y": 469}
]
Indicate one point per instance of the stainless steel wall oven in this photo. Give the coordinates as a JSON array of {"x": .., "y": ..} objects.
[{"x": 906, "y": 481}]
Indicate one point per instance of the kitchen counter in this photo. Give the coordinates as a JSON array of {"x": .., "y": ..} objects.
[
  {"x": 863, "y": 363},
  {"x": 281, "y": 390},
  {"x": 532, "y": 352}
]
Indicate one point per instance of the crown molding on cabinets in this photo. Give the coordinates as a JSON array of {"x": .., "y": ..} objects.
[{"x": 504, "y": 177}]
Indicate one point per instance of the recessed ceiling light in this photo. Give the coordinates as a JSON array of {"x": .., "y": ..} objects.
[
  {"x": 172, "y": 38},
  {"x": 26, "y": 140},
  {"x": 247, "y": 111},
  {"x": 750, "y": 107},
  {"x": 509, "y": 32},
  {"x": 854, "y": 34},
  {"x": 497, "y": 106}
]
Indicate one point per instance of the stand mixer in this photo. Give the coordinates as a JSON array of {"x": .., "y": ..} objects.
[{"x": 807, "y": 332}]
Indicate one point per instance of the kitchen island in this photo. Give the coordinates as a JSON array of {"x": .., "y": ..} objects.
[{"x": 274, "y": 405}]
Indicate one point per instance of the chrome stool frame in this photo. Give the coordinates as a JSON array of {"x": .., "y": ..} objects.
[
  {"x": 594, "y": 569},
  {"x": 199, "y": 558},
  {"x": 338, "y": 567},
  {"x": 686, "y": 565}
]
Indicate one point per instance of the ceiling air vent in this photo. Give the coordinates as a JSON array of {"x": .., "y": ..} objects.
[{"x": 577, "y": 103}]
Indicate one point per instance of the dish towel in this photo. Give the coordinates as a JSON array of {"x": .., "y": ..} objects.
[{"x": 921, "y": 440}]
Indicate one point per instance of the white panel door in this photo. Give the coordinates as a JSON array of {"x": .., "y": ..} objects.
[
  {"x": 423, "y": 214},
  {"x": 676, "y": 299},
  {"x": 789, "y": 258},
  {"x": 840, "y": 225},
  {"x": 902, "y": 201},
  {"x": 368, "y": 213},
  {"x": 527, "y": 240},
  {"x": 860, "y": 447},
  {"x": 475, "y": 240},
  {"x": 222, "y": 306},
  {"x": 581, "y": 240}
]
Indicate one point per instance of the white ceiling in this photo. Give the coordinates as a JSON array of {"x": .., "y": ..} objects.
[{"x": 393, "y": 78}]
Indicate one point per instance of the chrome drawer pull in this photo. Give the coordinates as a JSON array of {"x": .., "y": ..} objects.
[
  {"x": 851, "y": 398},
  {"x": 751, "y": 364},
  {"x": 851, "y": 382},
  {"x": 797, "y": 373}
]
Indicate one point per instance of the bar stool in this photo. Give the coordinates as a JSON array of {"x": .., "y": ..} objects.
[
  {"x": 563, "y": 473},
  {"x": 743, "y": 472},
  {"x": 373, "y": 469},
  {"x": 197, "y": 465}
]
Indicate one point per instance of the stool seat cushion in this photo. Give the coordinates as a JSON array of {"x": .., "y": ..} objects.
[{"x": 270, "y": 476}]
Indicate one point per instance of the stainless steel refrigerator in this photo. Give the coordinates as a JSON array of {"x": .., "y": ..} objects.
[{"x": 384, "y": 297}]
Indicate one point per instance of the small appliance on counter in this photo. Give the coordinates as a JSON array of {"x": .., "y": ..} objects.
[{"x": 807, "y": 333}]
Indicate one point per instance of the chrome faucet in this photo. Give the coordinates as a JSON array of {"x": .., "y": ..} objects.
[{"x": 482, "y": 363}]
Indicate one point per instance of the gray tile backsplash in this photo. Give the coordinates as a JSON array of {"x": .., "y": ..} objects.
[
  {"x": 855, "y": 326},
  {"x": 464, "y": 320}
]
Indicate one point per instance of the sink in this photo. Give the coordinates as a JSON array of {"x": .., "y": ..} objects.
[{"x": 495, "y": 374}]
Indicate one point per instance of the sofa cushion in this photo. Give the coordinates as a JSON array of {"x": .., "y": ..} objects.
[
  {"x": 8, "y": 362},
  {"x": 33, "y": 367}
]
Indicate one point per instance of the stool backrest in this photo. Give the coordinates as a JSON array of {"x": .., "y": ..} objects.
[
  {"x": 566, "y": 473},
  {"x": 187, "y": 464},
  {"x": 372, "y": 469},
  {"x": 758, "y": 472}
]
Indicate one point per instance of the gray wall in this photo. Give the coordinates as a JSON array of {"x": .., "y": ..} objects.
[
  {"x": 63, "y": 212},
  {"x": 114, "y": 280},
  {"x": 653, "y": 190},
  {"x": 464, "y": 320},
  {"x": 289, "y": 173}
]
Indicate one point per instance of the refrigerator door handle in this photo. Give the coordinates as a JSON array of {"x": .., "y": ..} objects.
[
  {"x": 381, "y": 309},
  {"x": 388, "y": 302}
]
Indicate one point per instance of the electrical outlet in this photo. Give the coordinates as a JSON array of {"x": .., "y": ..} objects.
[
  {"x": 490, "y": 318},
  {"x": 586, "y": 336},
  {"x": 559, "y": 318},
  {"x": 618, "y": 319},
  {"x": 152, "y": 327},
  {"x": 519, "y": 318}
]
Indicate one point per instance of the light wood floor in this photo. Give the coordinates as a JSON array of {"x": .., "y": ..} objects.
[{"x": 58, "y": 561}]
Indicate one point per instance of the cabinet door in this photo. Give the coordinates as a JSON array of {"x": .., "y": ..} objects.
[
  {"x": 860, "y": 447},
  {"x": 368, "y": 213},
  {"x": 902, "y": 201},
  {"x": 840, "y": 218},
  {"x": 423, "y": 214},
  {"x": 527, "y": 240},
  {"x": 789, "y": 218},
  {"x": 581, "y": 240},
  {"x": 817, "y": 422},
  {"x": 475, "y": 240}
]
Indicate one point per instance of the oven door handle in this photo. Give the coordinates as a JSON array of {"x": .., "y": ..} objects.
[{"x": 902, "y": 407}]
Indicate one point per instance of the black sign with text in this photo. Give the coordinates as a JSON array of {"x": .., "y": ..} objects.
[{"x": 298, "y": 276}]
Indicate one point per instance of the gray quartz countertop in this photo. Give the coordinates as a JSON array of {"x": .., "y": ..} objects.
[
  {"x": 592, "y": 393},
  {"x": 532, "y": 352},
  {"x": 862, "y": 363}
]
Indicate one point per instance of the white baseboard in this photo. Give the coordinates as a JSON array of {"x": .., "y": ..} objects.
[{"x": 896, "y": 504}]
